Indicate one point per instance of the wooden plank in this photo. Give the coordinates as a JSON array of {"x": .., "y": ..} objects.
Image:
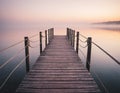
[
  {"x": 27, "y": 90},
  {"x": 58, "y": 70}
]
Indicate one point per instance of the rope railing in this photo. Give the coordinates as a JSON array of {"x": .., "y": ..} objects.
[
  {"x": 69, "y": 35},
  {"x": 31, "y": 41},
  {"x": 82, "y": 53},
  {"x": 34, "y": 46},
  {"x": 83, "y": 41},
  {"x": 83, "y": 46},
  {"x": 2, "y": 50},
  {"x": 83, "y": 36},
  {"x": 12, "y": 73},
  {"x": 49, "y": 35},
  {"x": 33, "y": 36},
  {"x": 88, "y": 58},
  {"x": 106, "y": 53},
  {"x": 10, "y": 59}
]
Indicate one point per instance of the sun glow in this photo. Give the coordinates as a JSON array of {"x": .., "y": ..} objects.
[{"x": 61, "y": 11}]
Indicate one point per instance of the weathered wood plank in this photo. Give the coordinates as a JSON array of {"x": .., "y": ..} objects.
[
  {"x": 58, "y": 70},
  {"x": 31, "y": 90}
]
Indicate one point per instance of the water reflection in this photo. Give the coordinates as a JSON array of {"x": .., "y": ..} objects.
[{"x": 105, "y": 67}]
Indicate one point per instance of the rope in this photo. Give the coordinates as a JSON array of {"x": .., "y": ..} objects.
[
  {"x": 12, "y": 72},
  {"x": 82, "y": 53},
  {"x": 2, "y": 50},
  {"x": 5, "y": 63},
  {"x": 34, "y": 46},
  {"x": 43, "y": 36},
  {"x": 84, "y": 46},
  {"x": 83, "y": 41},
  {"x": 33, "y": 36},
  {"x": 106, "y": 91},
  {"x": 107, "y": 53},
  {"x": 103, "y": 50},
  {"x": 33, "y": 41},
  {"x": 83, "y": 36}
]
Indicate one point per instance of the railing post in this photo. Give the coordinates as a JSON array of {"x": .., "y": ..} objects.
[
  {"x": 26, "y": 41},
  {"x": 52, "y": 33},
  {"x": 45, "y": 38},
  {"x": 89, "y": 43},
  {"x": 67, "y": 33},
  {"x": 40, "y": 43},
  {"x": 48, "y": 35},
  {"x": 73, "y": 38},
  {"x": 77, "y": 42}
]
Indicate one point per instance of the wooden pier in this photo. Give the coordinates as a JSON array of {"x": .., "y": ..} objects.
[{"x": 58, "y": 70}]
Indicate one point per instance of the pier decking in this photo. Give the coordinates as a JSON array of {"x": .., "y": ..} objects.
[{"x": 58, "y": 70}]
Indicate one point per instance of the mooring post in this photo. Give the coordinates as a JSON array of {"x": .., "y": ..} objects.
[
  {"x": 89, "y": 43},
  {"x": 77, "y": 42},
  {"x": 45, "y": 38},
  {"x": 40, "y": 43},
  {"x": 26, "y": 41}
]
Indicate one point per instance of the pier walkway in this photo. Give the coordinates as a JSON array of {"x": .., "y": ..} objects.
[{"x": 58, "y": 70}]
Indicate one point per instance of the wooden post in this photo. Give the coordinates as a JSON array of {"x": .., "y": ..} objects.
[
  {"x": 67, "y": 32},
  {"x": 77, "y": 42},
  {"x": 45, "y": 38},
  {"x": 73, "y": 38},
  {"x": 40, "y": 43},
  {"x": 70, "y": 36},
  {"x": 89, "y": 42},
  {"x": 52, "y": 33},
  {"x": 48, "y": 35},
  {"x": 26, "y": 40}
]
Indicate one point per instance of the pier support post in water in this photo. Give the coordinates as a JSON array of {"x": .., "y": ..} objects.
[
  {"x": 89, "y": 42},
  {"x": 77, "y": 42},
  {"x": 40, "y": 43},
  {"x": 26, "y": 40}
]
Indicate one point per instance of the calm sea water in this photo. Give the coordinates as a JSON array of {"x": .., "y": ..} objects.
[{"x": 103, "y": 68}]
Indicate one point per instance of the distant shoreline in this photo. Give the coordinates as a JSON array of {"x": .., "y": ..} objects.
[{"x": 109, "y": 23}]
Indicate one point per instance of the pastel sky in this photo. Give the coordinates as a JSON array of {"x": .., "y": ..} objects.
[{"x": 58, "y": 11}]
